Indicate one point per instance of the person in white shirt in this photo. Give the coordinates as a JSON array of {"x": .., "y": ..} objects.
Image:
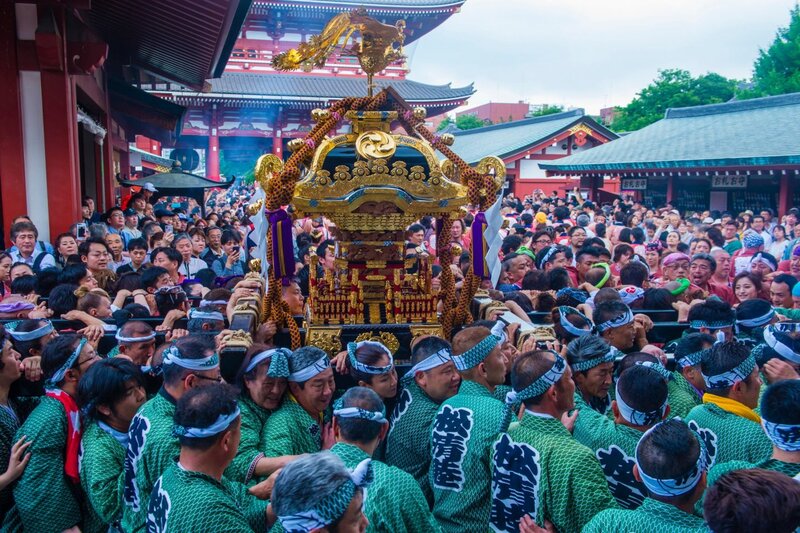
[
  {"x": 24, "y": 236},
  {"x": 189, "y": 265}
]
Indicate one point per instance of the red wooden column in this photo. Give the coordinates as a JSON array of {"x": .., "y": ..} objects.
[
  {"x": 786, "y": 193},
  {"x": 671, "y": 189},
  {"x": 12, "y": 158},
  {"x": 212, "y": 157}
]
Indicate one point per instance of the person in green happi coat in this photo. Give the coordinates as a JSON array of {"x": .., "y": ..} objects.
[
  {"x": 540, "y": 473},
  {"x": 300, "y": 425},
  {"x": 686, "y": 387},
  {"x": 592, "y": 362},
  {"x": 47, "y": 498},
  {"x": 463, "y": 431},
  {"x": 726, "y": 420},
  {"x": 359, "y": 424},
  {"x": 193, "y": 494},
  {"x": 780, "y": 418},
  {"x": 188, "y": 363},
  {"x": 671, "y": 462},
  {"x": 262, "y": 384},
  {"x": 431, "y": 380},
  {"x": 318, "y": 493},
  {"x": 109, "y": 395}
]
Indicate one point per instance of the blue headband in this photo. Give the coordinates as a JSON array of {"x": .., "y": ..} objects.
[
  {"x": 732, "y": 376},
  {"x": 692, "y": 359},
  {"x": 317, "y": 367},
  {"x": 172, "y": 356},
  {"x": 222, "y": 423},
  {"x": 757, "y": 321},
  {"x": 358, "y": 412},
  {"x": 717, "y": 324},
  {"x": 785, "y": 437},
  {"x": 636, "y": 417},
  {"x": 657, "y": 367},
  {"x": 61, "y": 372},
  {"x": 569, "y": 327},
  {"x": 551, "y": 251},
  {"x": 475, "y": 355},
  {"x": 541, "y": 384},
  {"x": 23, "y": 336},
  {"x": 609, "y": 357},
  {"x": 445, "y": 355},
  {"x": 578, "y": 294},
  {"x": 785, "y": 351},
  {"x": 368, "y": 369},
  {"x": 616, "y": 322},
  {"x": 674, "y": 487}
]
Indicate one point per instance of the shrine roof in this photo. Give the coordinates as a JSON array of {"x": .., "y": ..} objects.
[
  {"x": 509, "y": 138},
  {"x": 283, "y": 87},
  {"x": 339, "y": 5},
  {"x": 757, "y": 132}
]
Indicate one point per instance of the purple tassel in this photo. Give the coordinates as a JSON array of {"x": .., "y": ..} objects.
[
  {"x": 280, "y": 227},
  {"x": 479, "y": 248}
]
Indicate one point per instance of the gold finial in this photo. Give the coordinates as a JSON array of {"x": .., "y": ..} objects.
[
  {"x": 448, "y": 139},
  {"x": 420, "y": 113}
]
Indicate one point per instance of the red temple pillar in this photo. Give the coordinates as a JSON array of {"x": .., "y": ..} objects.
[
  {"x": 212, "y": 157},
  {"x": 12, "y": 158},
  {"x": 786, "y": 194}
]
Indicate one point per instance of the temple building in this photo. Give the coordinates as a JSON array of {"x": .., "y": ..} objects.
[
  {"x": 525, "y": 145},
  {"x": 734, "y": 156},
  {"x": 69, "y": 97},
  {"x": 253, "y": 109}
]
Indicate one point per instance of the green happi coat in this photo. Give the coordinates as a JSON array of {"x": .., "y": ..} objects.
[
  {"x": 102, "y": 478},
  {"x": 602, "y": 407},
  {"x": 151, "y": 449},
  {"x": 184, "y": 501},
  {"x": 45, "y": 499},
  {"x": 614, "y": 445},
  {"x": 290, "y": 430},
  {"x": 253, "y": 419},
  {"x": 408, "y": 444},
  {"x": 790, "y": 469},
  {"x": 9, "y": 424},
  {"x": 539, "y": 469},
  {"x": 394, "y": 500},
  {"x": 652, "y": 516},
  {"x": 462, "y": 434},
  {"x": 729, "y": 437},
  {"x": 682, "y": 396}
]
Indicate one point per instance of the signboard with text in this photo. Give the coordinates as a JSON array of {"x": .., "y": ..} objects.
[
  {"x": 634, "y": 184},
  {"x": 728, "y": 182}
]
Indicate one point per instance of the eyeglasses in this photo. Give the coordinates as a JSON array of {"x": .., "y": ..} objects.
[
  {"x": 218, "y": 379},
  {"x": 543, "y": 241}
]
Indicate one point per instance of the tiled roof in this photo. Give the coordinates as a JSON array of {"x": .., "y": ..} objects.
[
  {"x": 758, "y": 132},
  {"x": 265, "y": 86},
  {"x": 342, "y": 5},
  {"x": 509, "y": 138},
  {"x": 152, "y": 158}
]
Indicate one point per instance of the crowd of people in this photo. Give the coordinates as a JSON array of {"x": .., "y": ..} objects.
[{"x": 111, "y": 420}]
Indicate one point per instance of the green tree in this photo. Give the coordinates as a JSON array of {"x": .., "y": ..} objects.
[
  {"x": 443, "y": 124},
  {"x": 672, "y": 88},
  {"x": 777, "y": 69},
  {"x": 470, "y": 122},
  {"x": 547, "y": 109}
]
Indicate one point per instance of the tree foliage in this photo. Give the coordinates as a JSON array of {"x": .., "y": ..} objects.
[
  {"x": 672, "y": 88},
  {"x": 777, "y": 69},
  {"x": 470, "y": 122},
  {"x": 547, "y": 109}
]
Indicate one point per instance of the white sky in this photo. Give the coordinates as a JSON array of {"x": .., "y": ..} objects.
[{"x": 591, "y": 53}]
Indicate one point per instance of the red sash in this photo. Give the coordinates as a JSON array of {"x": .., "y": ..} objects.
[{"x": 73, "y": 432}]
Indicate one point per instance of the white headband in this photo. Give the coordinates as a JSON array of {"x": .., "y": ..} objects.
[
  {"x": 785, "y": 351},
  {"x": 23, "y": 336},
  {"x": 205, "y": 315},
  {"x": 204, "y": 303},
  {"x": 319, "y": 366},
  {"x": 220, "y": 424},
  {"x": 172, "y": 356},
  {"x": 150, "y": 336},
  {"x": 445, "y": 355}
]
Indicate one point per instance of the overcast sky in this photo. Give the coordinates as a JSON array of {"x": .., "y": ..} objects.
[{"x": 591, "y": 53}]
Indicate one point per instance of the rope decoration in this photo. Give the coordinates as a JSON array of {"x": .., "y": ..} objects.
[{"x": 280, "y": 190}]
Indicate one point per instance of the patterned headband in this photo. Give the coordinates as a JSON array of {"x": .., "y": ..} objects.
[
  {"x": 577, "y": 294},
  {"x": 222, "y": 423},
  {"x": 630, "y": 294},
  {"x": 784, "y": 350},
  {"x": 785, "y": 437},
  {"x": 757, "y": 321},
  {"x": 541, "y": 384},
  {"x": 660, "y": 369},
  {"x": 617, "y": 322},
  {"x": 195, "y": 313},
  {"x": 692, "y": 359},
  {"x": 279, "y": 362},
  {"x": 358, "y": 412},
  {"x": 759, "y": 258},
  {"x": 319, "y": 366},
  {"x": 172, "y": 356},
  {"x": 714, "y": 324},
  {"x": 636, "y": 417},
  {"x": 551, "y": 251},
  {"x": 24, "y": 336},
  {"x": 445, "y": 355},
  {"x": 732, "y": 376},
  {"x": 475, "y": 355},
  {"x": 564, "y": 311},
  {"x": 609, "y": 357},
  {"x": 352, "y": 347},
  {"x": 59, "y": 374},
  {"x": 753, "y": 240},
  {"x": 680, "y": 485},
  {"x": 333, "y": 506}
]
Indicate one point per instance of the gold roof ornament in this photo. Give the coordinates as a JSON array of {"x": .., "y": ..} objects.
[{"x": 372, "y": 184}]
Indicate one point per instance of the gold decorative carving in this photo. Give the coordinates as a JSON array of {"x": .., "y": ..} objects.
[
  {"x": 420, "y": 113},
  {"x": 383, "y": 337},
  {"x": 493, "y": 165},
  {"x": 581, "y": 128},
  {"x": 255, "y": 265},
  {"x": 238, "y": 338},
  {"x": 418, "y": 331},
  {"x": 540, "y": 333},
  {"x": 267, "y": 166},
  {"x": 255, "y": 207},
  {"x": 328, "y": 340}
]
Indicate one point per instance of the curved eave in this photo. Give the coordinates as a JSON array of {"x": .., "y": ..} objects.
[
  {"x": 687, "y": 164},
  {"x": 443, "y": 6}
]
